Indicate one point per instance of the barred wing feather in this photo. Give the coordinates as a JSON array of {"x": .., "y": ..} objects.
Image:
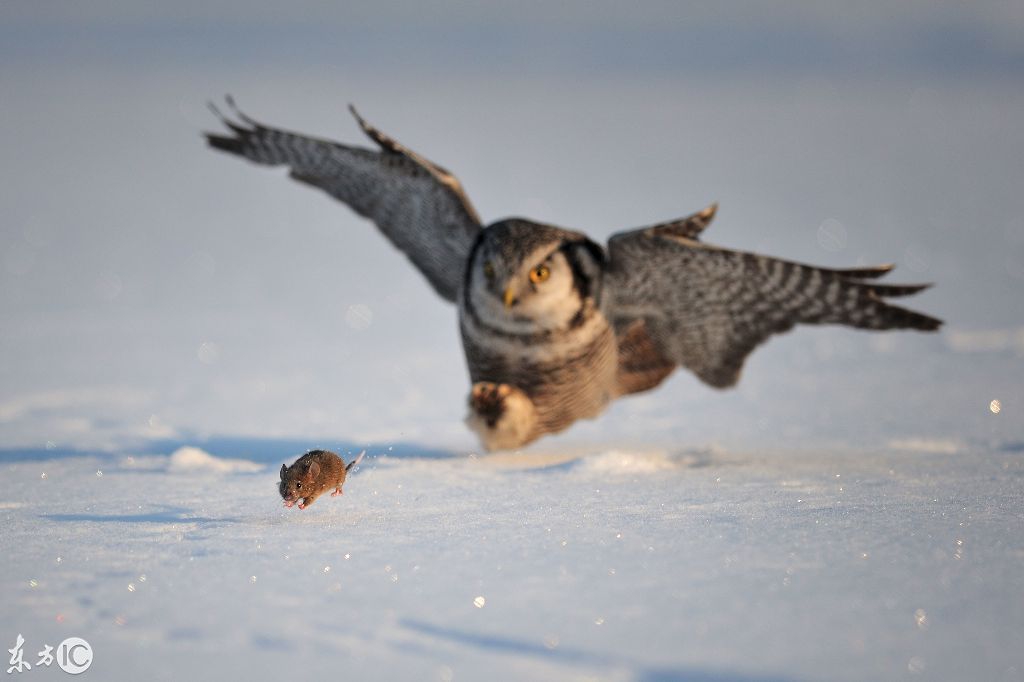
[{"x": 419, "y": 206}]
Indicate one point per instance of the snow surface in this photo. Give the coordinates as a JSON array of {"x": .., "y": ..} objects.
[
  {"x": 609, "y": 565},
  {"x": 189, "y": 459}
]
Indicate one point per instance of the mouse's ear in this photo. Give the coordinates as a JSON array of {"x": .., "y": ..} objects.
[
  {"x": 314, "y": 470},
  {"x": 284, "y": 470}
]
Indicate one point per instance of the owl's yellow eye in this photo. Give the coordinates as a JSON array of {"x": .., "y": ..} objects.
[
  {"x": 539, "y": 274},
  {"x": 489, "y": 271}
]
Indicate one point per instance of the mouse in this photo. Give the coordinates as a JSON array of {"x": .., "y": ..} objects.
[{"x": 312, "y": 475}]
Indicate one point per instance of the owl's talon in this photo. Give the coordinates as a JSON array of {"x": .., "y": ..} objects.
[
  {"x": 502, "y": 415},
  {"x": 487, "y": 400}
]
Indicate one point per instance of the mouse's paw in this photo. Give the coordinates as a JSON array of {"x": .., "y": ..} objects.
[
  {"x": 309, "y": 499},
  {"x": 337, "y": 491}
]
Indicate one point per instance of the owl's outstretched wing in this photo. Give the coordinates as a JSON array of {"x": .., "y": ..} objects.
[
  {"x": 707, "y": 308},
  {"x": 417, "y": 204}
]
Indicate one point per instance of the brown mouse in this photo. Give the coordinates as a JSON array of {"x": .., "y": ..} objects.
[{"x": 312, "y": 475}]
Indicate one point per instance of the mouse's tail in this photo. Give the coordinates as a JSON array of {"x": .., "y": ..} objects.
[{"x": 357, "y": 460}]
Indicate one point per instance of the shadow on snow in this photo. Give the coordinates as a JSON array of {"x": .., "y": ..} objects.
[
  {"x": 262, "y": 450},
  {"x": 165, "y": 515},
  {"x": 572, "y": 656}
]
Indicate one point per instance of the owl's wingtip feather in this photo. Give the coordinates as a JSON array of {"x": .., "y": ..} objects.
[{"x": 355, "y": 114}]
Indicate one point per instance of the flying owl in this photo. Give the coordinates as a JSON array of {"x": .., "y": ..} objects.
[{"x": 555, "y": 326}]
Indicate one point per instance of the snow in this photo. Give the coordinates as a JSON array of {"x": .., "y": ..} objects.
[
  {"x": 195, "y": 460},
  {"x": 610, "y": 564},
  {"x": 175, "y": 325}
]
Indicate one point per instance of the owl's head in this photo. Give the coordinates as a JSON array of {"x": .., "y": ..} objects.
[{"x": 526, "y": 277}]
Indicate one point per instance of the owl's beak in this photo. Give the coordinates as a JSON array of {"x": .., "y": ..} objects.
[{"x": 510, "y": 296}]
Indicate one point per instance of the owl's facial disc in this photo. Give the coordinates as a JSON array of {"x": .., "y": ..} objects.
[
  {"x": 540, "y": 291},
  {"x": 526, "y": 278}
]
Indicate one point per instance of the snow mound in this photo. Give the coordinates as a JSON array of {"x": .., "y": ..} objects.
[
  {"x": 986, "y": 340},
  {"x": 194, "y": 460},
  {"x": 942, "y": 446},
  {"x": 640, "y": 462}
]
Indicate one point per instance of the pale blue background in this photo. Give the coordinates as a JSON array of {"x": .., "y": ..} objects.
[{"x": 127, "y": 245}]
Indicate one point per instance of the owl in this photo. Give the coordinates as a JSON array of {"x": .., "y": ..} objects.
[{"x": 554, "y": 325}]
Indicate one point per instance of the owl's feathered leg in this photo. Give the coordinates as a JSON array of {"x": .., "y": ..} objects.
[{"x": 501, "y": 415}]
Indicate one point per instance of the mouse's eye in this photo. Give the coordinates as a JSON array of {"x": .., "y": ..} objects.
[{"x": 298, "y": 486}]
